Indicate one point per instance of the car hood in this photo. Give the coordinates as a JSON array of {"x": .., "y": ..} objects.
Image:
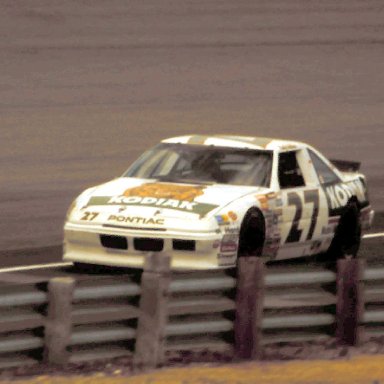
[{"x": 144, "y": 202}]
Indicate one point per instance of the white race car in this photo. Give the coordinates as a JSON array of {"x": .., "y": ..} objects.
[{"x": 207, "y": 200}]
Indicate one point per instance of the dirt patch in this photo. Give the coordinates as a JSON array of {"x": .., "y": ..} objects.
[{"x": 279, "y": 352}]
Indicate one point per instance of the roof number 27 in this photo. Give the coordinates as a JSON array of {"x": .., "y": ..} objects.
[{"x": 311, "y": 196}]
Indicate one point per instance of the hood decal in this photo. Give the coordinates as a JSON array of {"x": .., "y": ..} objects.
[
  {"x": 170, "y": 196},
  {"x": 167, "y": 191},
  {"x": 181, "y": 205}
]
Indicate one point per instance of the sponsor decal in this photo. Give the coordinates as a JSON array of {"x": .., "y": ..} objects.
[
  {"x": 232, "y": 230},
  {"x": 226, "y": 255},
  {"x": 135, "y": 220},
  {"x": 226, "y": 259},
  {"x": 271, "y": 219},
  {"x": 222, "y": 219},
  {"x": 226, "y": 218},
  {"x": 263, "y": 200},
  {"x": 271, "y": 246},
  {"x": 229, "y": 243},
  {"x": 228, "y": 246}
]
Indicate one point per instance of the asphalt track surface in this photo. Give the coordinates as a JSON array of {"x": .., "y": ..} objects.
[{"x": 85, "y": 88}]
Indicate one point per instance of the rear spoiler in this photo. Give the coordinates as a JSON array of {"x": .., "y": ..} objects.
[{"x": 345, "y": 165}]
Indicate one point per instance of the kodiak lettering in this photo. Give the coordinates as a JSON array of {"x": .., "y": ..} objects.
[
  {"x": 338, "y": 195},
  {"x": 153, "y": 201}
]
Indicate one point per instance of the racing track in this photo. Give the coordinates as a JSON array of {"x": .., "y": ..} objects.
[{"x": 84, "y": 90}]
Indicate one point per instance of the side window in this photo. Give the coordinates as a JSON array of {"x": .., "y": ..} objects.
[
  {"x": 325, "y": 173},
  {"x": 290, "y": 174}
]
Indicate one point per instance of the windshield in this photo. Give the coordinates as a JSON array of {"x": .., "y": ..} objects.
[{"x": 204, "y": 164}]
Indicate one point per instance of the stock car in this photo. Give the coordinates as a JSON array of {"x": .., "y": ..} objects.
[{"x": 208, "y": 200}]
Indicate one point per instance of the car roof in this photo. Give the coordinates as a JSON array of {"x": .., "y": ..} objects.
[{"x": 266, "y": 143}]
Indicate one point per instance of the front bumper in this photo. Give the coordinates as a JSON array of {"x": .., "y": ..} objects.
[{"x": 83, "y": 244}]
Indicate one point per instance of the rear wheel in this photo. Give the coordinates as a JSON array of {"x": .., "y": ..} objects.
[
  {"x": 346, "y": 242},
  {"x": 252, "y": 234}
]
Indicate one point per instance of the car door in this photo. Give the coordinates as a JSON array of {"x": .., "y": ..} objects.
[{"x": 304, "y": 206}]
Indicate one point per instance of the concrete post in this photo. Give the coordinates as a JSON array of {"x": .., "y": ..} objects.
[
  {"x": 350, "y": 303},
  {"x": 150, "y": 336},
  {"x": 59, "y": 320},
  {"x": 249, "y": 307}
]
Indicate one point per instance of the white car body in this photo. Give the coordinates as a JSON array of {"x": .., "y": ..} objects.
[{"x": 198, "y": 224}]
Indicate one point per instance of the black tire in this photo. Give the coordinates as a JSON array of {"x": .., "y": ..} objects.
[
  {"x": 252, "y": 234},
  {"x": 346, "y": 241}
]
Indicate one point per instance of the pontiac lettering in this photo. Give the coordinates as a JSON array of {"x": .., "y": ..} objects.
[{"x": 135, "y": 220}]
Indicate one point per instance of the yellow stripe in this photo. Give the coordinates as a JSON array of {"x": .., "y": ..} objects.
[{"x": 359, "y": 370}]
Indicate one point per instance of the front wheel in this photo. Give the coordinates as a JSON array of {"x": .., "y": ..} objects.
[{"x": 252, "y": 234}]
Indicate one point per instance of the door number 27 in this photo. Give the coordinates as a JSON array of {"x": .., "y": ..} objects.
[{"x": 311, "y": 196}]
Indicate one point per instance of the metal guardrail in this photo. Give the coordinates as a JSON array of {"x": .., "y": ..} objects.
[
  {"x": 21, "y": 342},
  {"x": 196, "y": 309},
  {"x": 107, "y": 291},
  {"x": 373, "y": 273},
  {"x": 372, "y": 318},
  {"x": 103, "y": 312},
  {"x": 316, "y": 275},
  {"x": 21, "y": 316},
  {"x": 220, "y": 282},
  {"x": 224, "y": 310},
  {"x": 98, "y": 306},
  {"x": 29, "y": 296},
  {"x": 92, "y": 335},
  {"x": 206, "y": 326}
]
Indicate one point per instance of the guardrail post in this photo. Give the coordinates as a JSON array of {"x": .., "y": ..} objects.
[
  {"x": 150, "y": 335},
  {"x": 249, "y": 307},
  {"x": 350, "y": 303},
  {"x": 59, "y": 320}
]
